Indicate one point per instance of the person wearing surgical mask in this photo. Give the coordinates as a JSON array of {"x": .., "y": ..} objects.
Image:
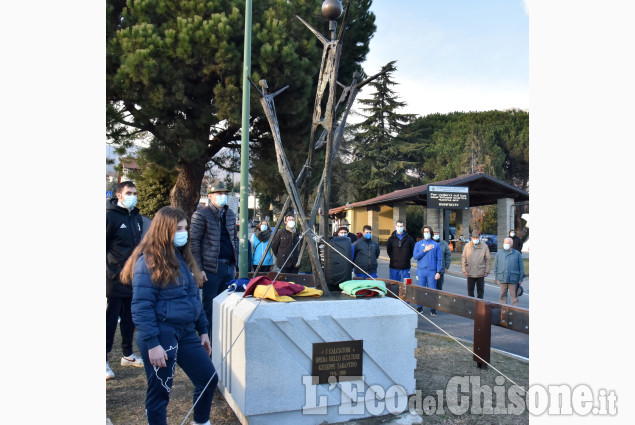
[
  {"x": 286, "y": 246},
  {"x": 124, "y": 229},
  {"x": 509, "y": 271},
  {"x": 171, "y": 323},
  {"x": 214, "y": 243},
  {"x": 475, "y": 264},
  {"x": 261, "y": 237},
  {"x": 517, "y": 243},
  {"x": 366, "y": 254},
  {"x": 400, "y": 246},
  {"x": 429, "y": 258}
]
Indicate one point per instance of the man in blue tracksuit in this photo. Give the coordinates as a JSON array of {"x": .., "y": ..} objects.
[{"x": 429, "y": 258}]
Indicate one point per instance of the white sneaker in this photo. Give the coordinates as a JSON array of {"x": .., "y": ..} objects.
[
  {"x": 109, "y": 373},
  {"x": 132, "y": 360}
]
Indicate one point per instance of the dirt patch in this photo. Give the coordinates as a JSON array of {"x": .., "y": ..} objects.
[{"x": 438, "y": 360}]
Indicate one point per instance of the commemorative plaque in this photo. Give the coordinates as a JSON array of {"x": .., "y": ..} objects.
[{"x": 341, "y": 359}]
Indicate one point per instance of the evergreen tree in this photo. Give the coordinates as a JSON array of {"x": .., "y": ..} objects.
[
  {"x": 153, "y": 186},
  {"x": 382, "y": 151},
  {"x": 174, "y": 72}
]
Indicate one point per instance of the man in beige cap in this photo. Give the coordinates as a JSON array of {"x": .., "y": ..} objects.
[
  {"x": 214, "y": 244},
  {"x": 475, "y": 263}
]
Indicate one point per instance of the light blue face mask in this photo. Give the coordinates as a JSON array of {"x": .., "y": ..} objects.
[
  {"x": 129, "y": 201},
  {"x": 426, "y": 236},
  {"x": 506, "y": 246},
  {"x": 435, "y": 237},
  {"x": 368, "y": 235},
  {"x": 221, "y": 200},
  {"x": 180, "y": 239},
  {"x": 263, "y": 227},
  {"x": 475, "y": 241},
  {"x": 399, "y": 230}
]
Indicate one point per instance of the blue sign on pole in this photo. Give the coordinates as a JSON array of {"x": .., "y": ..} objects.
[{"x": 108, "y": 194}]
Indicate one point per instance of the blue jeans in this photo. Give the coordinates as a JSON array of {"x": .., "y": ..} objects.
[
  {"x": 399, "y": 275},
  {"x": 365, "y": 276},
  {"x": 184, "y": 348},
  {"x": 216, "y": 283}
]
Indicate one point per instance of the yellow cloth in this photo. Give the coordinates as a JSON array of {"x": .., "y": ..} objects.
[
  {"x": 272, "y": 294},
  {"x": 310, "y": 292}
]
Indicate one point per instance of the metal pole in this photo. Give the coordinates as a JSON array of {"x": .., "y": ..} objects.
[{"x": 243, "y": 265}]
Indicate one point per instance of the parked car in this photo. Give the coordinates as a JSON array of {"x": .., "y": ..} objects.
[{"x": 491, "y": 241}]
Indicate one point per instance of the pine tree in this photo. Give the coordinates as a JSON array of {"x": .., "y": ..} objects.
[{"x": 382, "y": 152}]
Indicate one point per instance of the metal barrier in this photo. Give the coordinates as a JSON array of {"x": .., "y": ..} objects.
[{"x": 484, "y": 313}]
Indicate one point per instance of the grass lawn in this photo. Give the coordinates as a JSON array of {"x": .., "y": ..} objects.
[{"x": 438, "y": 359}]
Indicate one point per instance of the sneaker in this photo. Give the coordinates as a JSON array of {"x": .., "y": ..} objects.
[
  {"x": 109, "y": 373},
  {"x": 433, "y": 312},
  {"x": 132, "y": 360}
]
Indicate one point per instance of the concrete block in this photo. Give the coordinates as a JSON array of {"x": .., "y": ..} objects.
[{"x": 266, "y": 377}]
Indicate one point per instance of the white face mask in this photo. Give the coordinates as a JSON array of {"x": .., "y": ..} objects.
[
  {"x": 291, "y": 224},
  {"x": 475, "y": 241},
  {"x": 221, "y": 200},
  {"x": 512, "y": 234}
]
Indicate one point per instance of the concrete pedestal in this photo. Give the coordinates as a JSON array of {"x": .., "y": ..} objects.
[{"x": 266, "y": 378}]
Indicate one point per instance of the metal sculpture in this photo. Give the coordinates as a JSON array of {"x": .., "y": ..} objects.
[{"x": 330, "y": 137}]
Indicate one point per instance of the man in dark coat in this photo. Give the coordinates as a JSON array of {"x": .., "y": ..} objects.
[
  {"x": 517, "y": 243},
  {"x": 285, "y": 246},
  {"x": 124, "y": 226},
  {"x": 214, "y": 244},
  {"x": 366, "y": 254},
  {"x": 399, "y": 247}
]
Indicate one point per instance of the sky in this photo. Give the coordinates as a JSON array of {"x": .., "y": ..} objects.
[{"x": 453, "y": 55}]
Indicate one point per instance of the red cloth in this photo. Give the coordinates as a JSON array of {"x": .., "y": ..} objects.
[{"x": 282, "y": 287}]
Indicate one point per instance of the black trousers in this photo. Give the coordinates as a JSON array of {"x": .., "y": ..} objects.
[
  {"x": 480, "y": 286},
  {"x": 119, "y": 308}
]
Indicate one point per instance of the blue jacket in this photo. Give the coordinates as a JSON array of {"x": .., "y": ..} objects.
[
  {"x": 178, "y": 304},
  {"x": 259, "y": 250},
  {"x": 509, "y": 266},
  {"x": 431, "y": 261}
]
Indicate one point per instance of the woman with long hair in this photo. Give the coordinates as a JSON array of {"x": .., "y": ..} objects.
[
  {"x": 167, "y": 310},
  {"x": 262, "y": 235}
]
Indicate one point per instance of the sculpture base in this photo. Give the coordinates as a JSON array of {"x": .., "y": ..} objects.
[{"x": 267, "y": 376}]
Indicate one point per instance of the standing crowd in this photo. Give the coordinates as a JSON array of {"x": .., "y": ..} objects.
[{"x": 163, "y": 275}]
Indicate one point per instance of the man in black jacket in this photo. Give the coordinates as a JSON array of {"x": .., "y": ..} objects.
[
  {"x": 400, "y": 246},
  {"x": 366, "y": 254},
  {"x": 214, "y": 244},
  {"x": 284, "y": 242},
  {"x": 517, "y": 242},
  {"x": 124, "y": 226}
]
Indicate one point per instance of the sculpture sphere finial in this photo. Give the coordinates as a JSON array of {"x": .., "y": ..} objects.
[{"x": 332, "y": 9}]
